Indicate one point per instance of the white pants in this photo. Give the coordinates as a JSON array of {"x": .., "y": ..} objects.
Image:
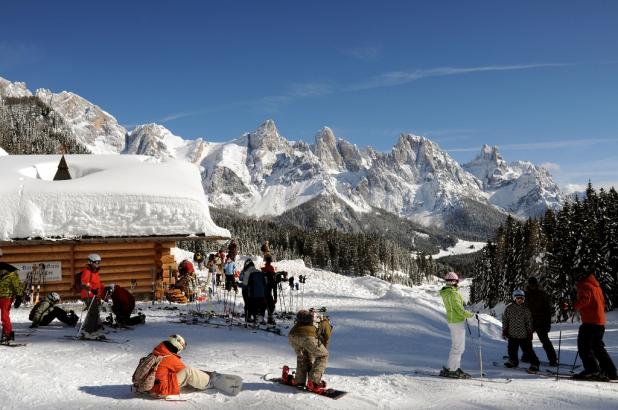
[
  {"x": 458, "y": 345},
  {"x": 193, "y": 377}
]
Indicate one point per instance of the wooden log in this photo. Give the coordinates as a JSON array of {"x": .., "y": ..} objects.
[
  {"x": 12, "y": 250},
  {"x": 99, "y": 247},
  {"x": 37, "y": 257},
  {"x": 117, "y": 254}
]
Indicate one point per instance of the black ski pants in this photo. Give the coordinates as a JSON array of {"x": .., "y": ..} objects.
[
  {"x": 55, "y": 313},
  {"x": 592, "y": 350},
  {"x": 526, "y": 347},
  {"x": 543, "y": 333}
]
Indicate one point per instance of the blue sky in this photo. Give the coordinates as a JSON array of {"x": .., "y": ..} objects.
[{"x": 538, "y": 79}]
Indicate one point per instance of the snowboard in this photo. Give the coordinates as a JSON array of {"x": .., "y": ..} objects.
[
  {"x": 226, "y": 383},
  {"x": 330, "y": 393},
  {"x": 478, "y": 379}
]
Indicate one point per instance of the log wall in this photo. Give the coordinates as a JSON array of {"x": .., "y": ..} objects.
[{"x": 135, "y": 266}]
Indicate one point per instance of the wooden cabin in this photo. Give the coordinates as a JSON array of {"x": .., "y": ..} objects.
[{"x": 128, "y": 209}]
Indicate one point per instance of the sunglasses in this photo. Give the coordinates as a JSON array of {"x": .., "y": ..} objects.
[
  {"x": 95, "y": 262},
  {"x": 519, "y": 298}
]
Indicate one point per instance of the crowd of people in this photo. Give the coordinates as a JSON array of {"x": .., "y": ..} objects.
[{"x": 529, "y": 312}]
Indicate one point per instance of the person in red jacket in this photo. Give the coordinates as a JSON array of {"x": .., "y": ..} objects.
[
  {"x": 123, "y": 303},
  {"x": 172, "y": 373},
  {"x": 92, "y": 292},
  {"x": 598, "y": 365}
]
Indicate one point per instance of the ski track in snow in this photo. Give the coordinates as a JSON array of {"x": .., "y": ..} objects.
[{"x": 382, "y": 332}]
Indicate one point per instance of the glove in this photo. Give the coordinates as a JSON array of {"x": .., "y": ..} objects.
[
  {"x": 94, "y": 291},
  {"x": 17, "y": 303}
]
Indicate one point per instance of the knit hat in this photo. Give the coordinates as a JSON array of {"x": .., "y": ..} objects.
[{"x": 178, "y": 342}]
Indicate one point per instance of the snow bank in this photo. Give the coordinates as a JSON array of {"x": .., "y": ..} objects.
[{"x": 109, "y": 195}]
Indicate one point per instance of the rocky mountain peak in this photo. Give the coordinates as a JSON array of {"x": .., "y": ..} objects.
[
  {"x": 327, "y": 151},
  {"x": 16, "y": 89}
]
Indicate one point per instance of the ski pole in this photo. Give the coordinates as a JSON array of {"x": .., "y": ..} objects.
[
  {"x": 478, "y": 320},
  {"x": 559, "y": 343}
]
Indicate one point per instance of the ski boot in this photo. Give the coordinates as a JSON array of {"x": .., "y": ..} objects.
[
  {"x": 271, "y": 320},
  {"x": 510, "y": 364},
  {"x": 533, "y": 369},
  {"x": 318, "y": 388},
  {"x": 5, "y": 339},
  {"x": 460, "y": 374},
  {"x": 288, "y": 378}
]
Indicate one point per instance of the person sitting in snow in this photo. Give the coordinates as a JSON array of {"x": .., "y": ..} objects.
[
  {"x": 309, "y": 338},
  {"x": 44, "y": 312},
  {"x": 172, "y": 374},
  {"x": 123, "y": 303},
  {"x": 10, "y": 288},
  {"x": 456, "y": 316},
  {"x": 517, "y": 329}
]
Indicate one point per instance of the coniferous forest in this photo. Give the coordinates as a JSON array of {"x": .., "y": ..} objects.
[
  {"x": 582, "y": 237},
  {"x": 353, "y": 254}
]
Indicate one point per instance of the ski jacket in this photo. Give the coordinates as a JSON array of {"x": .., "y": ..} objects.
[
  {"x": 40, "y": 310},
  {"x": 10, "y": 286},
  {"x": 229, "y": 268},
  {"x": 269, "y": 270},
  {"x": 540, "y": 306},
  {"x": 91, "y": 281},
  {"x": 256, "y": 283},
  {"x": 590, "y": 301},
  {"x": 454, "y": 304},
  {"x": 166, "y": 382},
  {"x": 321, "y": 330},
  {"x": 517, "y": 321},
  {"x": 123, "y": 302}
]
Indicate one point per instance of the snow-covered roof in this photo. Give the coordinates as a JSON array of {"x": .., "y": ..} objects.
[{"x": 108, "y": 196}]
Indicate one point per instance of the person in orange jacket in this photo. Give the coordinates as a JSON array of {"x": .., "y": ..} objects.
[
  {"x": 172, "y": 374},
  {"x": 598, "y": 365},
  {"x": 92, "y": 292}
]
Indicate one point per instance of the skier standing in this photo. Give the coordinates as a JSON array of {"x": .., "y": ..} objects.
[
  {"x": 44, "y": 312},
  {"x": 309, "y": 338},
  {"x": 598, "y": 365},
  {"x": 540, "y": 306},
  {"x": 228, "y": 269},
  {"x": 232, "y": 250},
  {"x": 271, "y": 287},
  {"x": 91, "y": 294},
  {"x": 455, "y": 316},
  {"x": 255, "y": 282},
  {"x": 517, "y": 329},
  {"x": 10, "y": 288}
]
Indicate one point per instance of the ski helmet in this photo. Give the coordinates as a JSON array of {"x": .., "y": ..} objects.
[
  {"x": 94, "y": 257},
  {"x": 451, "y": 277},
  {"x": 518, "y": 293},
  {"x": 53, "y": 297},
  {"x": 178, "y": 342}
]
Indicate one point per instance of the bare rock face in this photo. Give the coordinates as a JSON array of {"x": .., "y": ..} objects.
[{"x": 93, "y": 127}]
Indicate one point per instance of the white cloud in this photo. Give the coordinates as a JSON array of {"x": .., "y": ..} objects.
[
  {"x": 364, "y": 53},
  {"x": 551, "y": 166}
]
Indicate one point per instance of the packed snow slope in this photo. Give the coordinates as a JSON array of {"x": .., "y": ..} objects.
[{"x": 382, "y": 333}]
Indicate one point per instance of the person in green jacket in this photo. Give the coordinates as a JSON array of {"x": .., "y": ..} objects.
[
  {"x": 456, "y": 315},
  {"x": 10, "y": 288}
]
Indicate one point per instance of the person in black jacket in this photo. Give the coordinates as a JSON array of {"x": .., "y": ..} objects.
[{"x": 540, "y": 306}]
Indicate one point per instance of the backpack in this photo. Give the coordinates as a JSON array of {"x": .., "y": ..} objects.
[{"x": 144, "y": 376}]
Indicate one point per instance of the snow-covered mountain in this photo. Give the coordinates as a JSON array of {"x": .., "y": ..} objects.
[
  {"x": 93, "y": 127},
  {"x": 520, "y": 188},
  {"x": 264, "y": 174}
]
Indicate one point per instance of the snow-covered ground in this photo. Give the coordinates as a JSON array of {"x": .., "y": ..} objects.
[
  {"x": 461, "y": 248},
  {"x": 382, "y": 333}
]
